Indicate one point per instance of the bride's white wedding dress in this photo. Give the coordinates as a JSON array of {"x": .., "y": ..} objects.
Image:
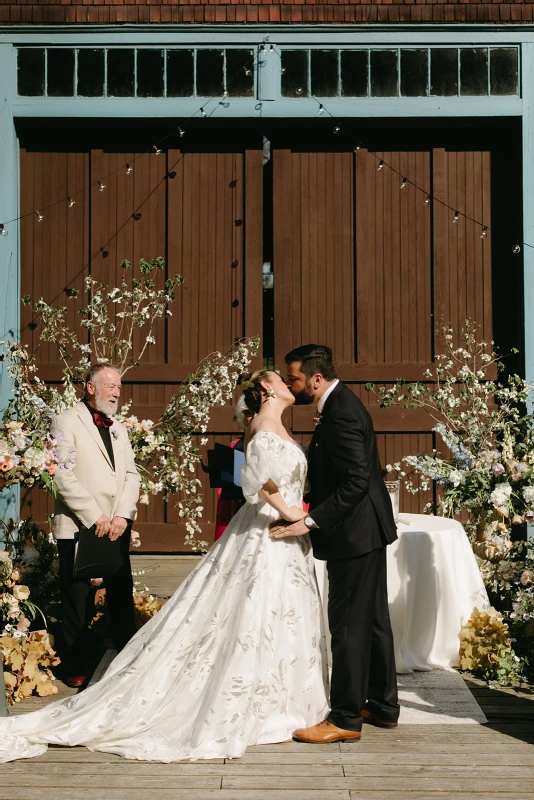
[{"x": 236, "y": 657}]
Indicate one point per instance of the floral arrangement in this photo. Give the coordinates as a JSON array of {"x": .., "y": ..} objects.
[
  {"x": 166, "y": 450},
  {"x": 486, "y": 648},
  {"x": 29, "y": 456},
  {"x": 27, "y": 662},
  {"x": 486, "y": 468}
]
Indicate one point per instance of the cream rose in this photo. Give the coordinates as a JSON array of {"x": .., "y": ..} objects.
[{"x": 21, "y": 592}]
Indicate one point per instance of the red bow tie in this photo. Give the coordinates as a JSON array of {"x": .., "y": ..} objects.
[{"x": 102, "y": 421}]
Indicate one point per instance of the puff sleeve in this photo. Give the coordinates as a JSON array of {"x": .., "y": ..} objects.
[{"x": 264, "y": 461}]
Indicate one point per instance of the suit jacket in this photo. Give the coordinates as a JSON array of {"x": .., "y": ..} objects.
[
  {"x": 348, "y": 498},
  {"x": 92, "y": 487}
]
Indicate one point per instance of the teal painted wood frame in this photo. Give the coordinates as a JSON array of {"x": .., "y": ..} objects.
[{"x": 9, "y": 245}]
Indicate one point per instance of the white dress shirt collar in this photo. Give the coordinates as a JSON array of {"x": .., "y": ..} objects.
[{"x": 326, "y": 395}]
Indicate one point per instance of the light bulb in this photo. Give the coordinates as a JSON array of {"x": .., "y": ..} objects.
[
  {"x": 403, "y": 184},
  {"x": 456, "y": 217},
  {"x": 40, "y": 217},
  {"x": 71, "y": 202},
  {"x": 156, "y": 149},
  {"x": 484, "y": 233},
  {"x": 101, "y": 186},
  {"x": 248, "y": 71},
  {"x": 203, "y": 113},
  {"x": 129, "y": 169},
  {"x": 357, "y": 147},
  {"x": 321, "y": 109},
  {"x": 337, "y": 129},
  {"x": 516, "y": 249},
  {"x": 225, "y": 94},
  {"x": 3, "y": 230},
  {"x": 283, "y": 70},
  {"x": 380, "y": 166},
  {"x": 181, "y": 131},
  {"x": 298, "y": 91},
  {"x": 427, "y": 201}
]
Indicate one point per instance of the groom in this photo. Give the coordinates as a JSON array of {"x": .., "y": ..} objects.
[{"x": 351, "y": 523}]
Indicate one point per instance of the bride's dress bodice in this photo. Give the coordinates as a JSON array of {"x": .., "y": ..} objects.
[{"x": 269, "y": 456}]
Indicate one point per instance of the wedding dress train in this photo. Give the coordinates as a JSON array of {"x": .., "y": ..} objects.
[{"x": 236, "y": 657}]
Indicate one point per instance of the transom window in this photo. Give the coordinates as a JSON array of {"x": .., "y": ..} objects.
[
  {"x": 404, "y": 72},
  {"x": 134, "y": 72}
]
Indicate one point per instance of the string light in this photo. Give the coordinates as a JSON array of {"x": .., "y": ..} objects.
[
  {"x": 101, "y": 186},
  {"x": 248, "y": 72},
  {"x": 337, "y": 129},
  {"x": 40, "y": 217},
  {"x": 298, "y": 91},
  {"x": 456, "y": 217},
  {"x": 428, "y": 199},
  {"x": 516, "y": 249},
  {"x": 129, "y": 169},
  {"x": 380, "y": 166},
  {"x": 181, "y": 132},
  {"x": 403, "y": 184},
  {"x": 3, "y": 230},
  {"x": 357, "y": 146},
  {"x": 283, "y": 70},
  {"x": 156, "y": 149},
  {"x": 321, "y": 109},
  {"x": 225, "y": 94},
  {"x": 71, "y": 202},
  {"x": 271, "y": 49},
  {"x": 484, "y": 233},
  {"x": 203, "y": 113}
]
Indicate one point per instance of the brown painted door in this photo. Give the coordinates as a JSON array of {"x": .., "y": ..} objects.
[
  {"x": 370, "y": 269},
  {"x": 202, "y": 212}
]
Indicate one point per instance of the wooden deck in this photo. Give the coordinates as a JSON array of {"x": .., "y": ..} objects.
[{"x": 420, "y": 762}]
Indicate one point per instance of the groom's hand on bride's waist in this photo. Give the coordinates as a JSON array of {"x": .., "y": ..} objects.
[{"x": 281, "y": 528}]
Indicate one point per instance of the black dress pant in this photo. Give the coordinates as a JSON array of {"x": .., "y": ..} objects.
[
  {"x": 78, "y": 609},
  {"x": 363, "y": 658}
]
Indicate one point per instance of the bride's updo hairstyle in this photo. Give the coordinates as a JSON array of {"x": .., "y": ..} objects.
[{"x": 253, "y": 392}]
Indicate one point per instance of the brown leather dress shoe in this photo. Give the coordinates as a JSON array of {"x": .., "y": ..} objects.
[
  {"x": 372, "y": 719},
  {"x": 324, "y": 733}
]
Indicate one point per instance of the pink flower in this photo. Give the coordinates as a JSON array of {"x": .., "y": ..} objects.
[{"x": 498, "y": 468}]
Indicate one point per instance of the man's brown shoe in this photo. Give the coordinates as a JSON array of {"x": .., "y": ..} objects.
[
  {"x": 324, "y": 733},
  {"x": 372, "y": 719}
]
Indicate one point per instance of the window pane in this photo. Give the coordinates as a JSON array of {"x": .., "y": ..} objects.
[
  {"x": 503, "y": 70},
  {"x": 180, "y": 73},
  {"x": 90, "y": 73},
  {"x": 354, "y": 69},
  {"x": 444, "y": 72},
  {"x": 210, "y": 73},
  {"x": 384, "y": 73},
  {"x": 121, "y": 73},
  {"x": 150, "y": 73},
  {"x": 60, "y": 73},
  {"x": 324, "y": 73},
  {"x": 294, "y": 73},
  {"x": 474, "y": 71},
  {"x": 414, "y": 73},
  {"x": 31, "y": 72},
  {"x": 238, "y": 64}
]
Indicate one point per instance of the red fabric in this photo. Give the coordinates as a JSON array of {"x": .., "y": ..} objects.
[{"x": 102, "y": 421}]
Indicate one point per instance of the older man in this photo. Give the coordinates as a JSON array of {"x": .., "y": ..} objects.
[{"x": 102, "y": 489}]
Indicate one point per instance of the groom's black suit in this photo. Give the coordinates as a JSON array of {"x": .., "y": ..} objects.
[{"x": 350, "y": 504}]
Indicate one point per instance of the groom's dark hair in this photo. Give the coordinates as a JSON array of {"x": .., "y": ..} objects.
[{"x": 314, "y": 358}]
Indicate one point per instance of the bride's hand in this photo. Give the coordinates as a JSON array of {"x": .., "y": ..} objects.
[{"x": 294, "y": 514}]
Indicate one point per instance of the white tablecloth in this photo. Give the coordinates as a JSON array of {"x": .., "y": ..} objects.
[{"x": 433, "y": 585}]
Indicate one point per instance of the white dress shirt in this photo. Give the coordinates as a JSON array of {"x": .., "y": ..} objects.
[{"x": 326, "y": 395}]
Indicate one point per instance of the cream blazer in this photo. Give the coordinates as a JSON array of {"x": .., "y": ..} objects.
[{"x": 92, "y": 487}]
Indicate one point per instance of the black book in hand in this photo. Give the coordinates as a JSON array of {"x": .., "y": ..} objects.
[{"x": 97, "y": 556}]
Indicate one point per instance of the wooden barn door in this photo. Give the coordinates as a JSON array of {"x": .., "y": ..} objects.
[
  {"x": 369, "y": 269},
  {"x": 202, "y": 212}
]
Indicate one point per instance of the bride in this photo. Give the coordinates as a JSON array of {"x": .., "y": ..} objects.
[{"x": 236, "y": 657}]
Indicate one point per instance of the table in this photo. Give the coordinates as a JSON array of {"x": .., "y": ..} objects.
[{"x": 433, "y": 585}]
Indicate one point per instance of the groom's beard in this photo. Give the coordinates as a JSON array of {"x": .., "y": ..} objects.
[{"x": 304, "y": 398}]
